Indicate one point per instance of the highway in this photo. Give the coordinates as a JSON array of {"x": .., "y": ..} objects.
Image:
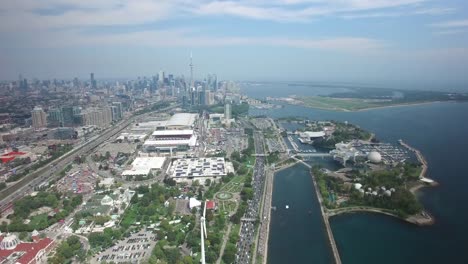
[
  {"x": 47, "y": 173},
  {"x": 247, "y": 230}
]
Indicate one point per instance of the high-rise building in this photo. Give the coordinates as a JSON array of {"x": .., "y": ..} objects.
[
  {"x": 201, "y": 97},
  {"x": 96, "y": 117},
  {"x": 67, "y": 115},
  {"x": 39, "y": 118},
  {"x": 215, "y": 82},
  {"x": 117, "y": 114},
  {"x": 227, "y": 111},
  {"x": 209, "y": 98},
  {"x": 55, "y": 117},
  {"x": 161, "y": 78},
  {"x": 93, "y": 81}
]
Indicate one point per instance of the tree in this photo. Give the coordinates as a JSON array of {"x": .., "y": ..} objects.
[
  {"x": 23, "y": 236},
  {"x": 229, "y": 253},
  {"x": 196, "y": 183},
  {"x": 173, "y": 255},
  {"x": 208, "y": 182},
  {"x": 187, "y": 260}
]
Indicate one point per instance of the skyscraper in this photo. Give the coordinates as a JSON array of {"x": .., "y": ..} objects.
[
  {"x": 67, "y": 115},
  {"x": 39, "y": 118},
  {"x": 93, "y": 81},
  {"x": 55, "y": 117},
  {"x": 117, "y": 111},
  {"x": 161, "y": 78},
  {"x": 227, "y": 111}
]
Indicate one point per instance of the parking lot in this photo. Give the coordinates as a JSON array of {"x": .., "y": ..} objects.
[
  {"x": 134, "y": 249},
  {"x": 274, "y": 144}
]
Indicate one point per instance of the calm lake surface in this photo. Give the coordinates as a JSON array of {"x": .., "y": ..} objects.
[{"x": 439, "y": 130}]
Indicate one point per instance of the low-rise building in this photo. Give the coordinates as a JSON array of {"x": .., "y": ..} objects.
[
  {"x": 12, "y": 250},
  {"x": 170, "y": 141},
  {"x": 200, "y": 169},
  {"x": 143, "y": 166}
]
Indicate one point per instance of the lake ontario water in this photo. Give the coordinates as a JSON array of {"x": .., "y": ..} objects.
[{"x": 438, "y": 130}]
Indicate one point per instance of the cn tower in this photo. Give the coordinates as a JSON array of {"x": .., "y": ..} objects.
[{"x": 191, "y": 71}]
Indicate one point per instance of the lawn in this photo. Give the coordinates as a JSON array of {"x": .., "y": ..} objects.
[{"x": 38, "y": 221}]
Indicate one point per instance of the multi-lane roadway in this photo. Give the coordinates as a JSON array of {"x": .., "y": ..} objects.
[{"x": 247, "y": 230}]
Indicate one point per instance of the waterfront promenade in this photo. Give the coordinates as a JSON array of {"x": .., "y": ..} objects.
[
  {"x": 264, "y": 230},
  {"x": 331, "y": 239}
]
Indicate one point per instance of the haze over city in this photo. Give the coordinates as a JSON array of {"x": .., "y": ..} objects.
[
  {"x": 233, "y": 131},
  {"x": 302, "y": 40}
]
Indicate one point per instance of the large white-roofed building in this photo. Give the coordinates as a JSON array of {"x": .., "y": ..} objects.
[
  {"x": 131, "y": 137},
  {"x": 181, "y": 121},
  {"x": 170, "y": 141},
  {"x": 149, "y": 126},
  {"x": 143, "y": 166},
  {"x": 201, "y": 169}
]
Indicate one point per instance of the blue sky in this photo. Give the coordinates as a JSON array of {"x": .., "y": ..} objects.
[{"x": 302, "y": 40}]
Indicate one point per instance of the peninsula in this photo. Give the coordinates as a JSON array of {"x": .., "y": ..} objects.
[
  {"x": 373, "y": 176},
  {"x": 359, "y": 99}
]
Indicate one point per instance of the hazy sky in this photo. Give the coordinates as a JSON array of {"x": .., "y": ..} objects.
[{"x": 307, "y": 40}]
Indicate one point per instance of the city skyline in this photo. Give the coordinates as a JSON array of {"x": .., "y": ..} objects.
[{"x": 304, "y": 40}]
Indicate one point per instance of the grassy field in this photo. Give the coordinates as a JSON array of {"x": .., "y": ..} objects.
[
  {"x": 341, "y": 104},
  {"x": 227, "y": 206},
  {"x": 235, "y": 185}
]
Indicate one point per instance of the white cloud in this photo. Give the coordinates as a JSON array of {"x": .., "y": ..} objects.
[
  {"x": 435, "y": 11},
  {"x": 452, "y": 24},
  {"x": 189, "y": 37},
  {"x": 450, "y": 32},
  {"x": 20, "y": 15}
]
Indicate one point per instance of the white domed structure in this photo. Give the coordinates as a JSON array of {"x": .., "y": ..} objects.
[
  {"x": 374, "y": 157},
  {"x": 107, "y": 200},
  {"x": 9, "y": 242}
]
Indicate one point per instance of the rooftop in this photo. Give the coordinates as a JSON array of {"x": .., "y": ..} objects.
[
  {"x": 182, "y": 119},
  {"x": 143, "y": 165},
  {"x": 173, "y": 132},
  {"x": 198, "y": 167},
  {"x": 29, "y": 249}
]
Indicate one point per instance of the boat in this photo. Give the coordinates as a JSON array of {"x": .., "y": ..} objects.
[{"x": 287, "y": 206}]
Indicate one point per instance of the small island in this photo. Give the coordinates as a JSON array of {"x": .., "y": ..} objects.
[
  {"x": 361, "y": 98},
  {"x": 368, "y": 175}
]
